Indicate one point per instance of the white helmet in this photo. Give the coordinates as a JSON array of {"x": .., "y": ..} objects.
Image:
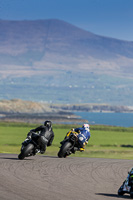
[{"x": 86, "y": 126}]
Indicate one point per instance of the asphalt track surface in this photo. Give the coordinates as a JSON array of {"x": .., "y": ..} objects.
[{"x": 52, "y": 178}]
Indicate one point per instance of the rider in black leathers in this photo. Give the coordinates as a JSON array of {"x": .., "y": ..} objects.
[{"x": 46, "y": 135}]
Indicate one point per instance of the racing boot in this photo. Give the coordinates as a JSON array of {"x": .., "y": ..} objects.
[
  {"x": 36, "y": 151},
  {"x": 82, "y": 148},
  {"x": 43, "y": 149}
]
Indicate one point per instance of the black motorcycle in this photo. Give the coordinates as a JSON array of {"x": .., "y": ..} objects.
[
  {"x": 30, "y": 147},
  {"x": 126, "y": 189},
  {"x": 69, "y": 145}
]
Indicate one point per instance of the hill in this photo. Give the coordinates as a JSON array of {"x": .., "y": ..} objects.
[
  {"x": 54, "y": 61},
  {"x": 28, "y": 111},
  {"x": 17, "y": 110}
]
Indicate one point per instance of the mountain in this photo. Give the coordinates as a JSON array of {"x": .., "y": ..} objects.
[{"x": 54, "y": 61}]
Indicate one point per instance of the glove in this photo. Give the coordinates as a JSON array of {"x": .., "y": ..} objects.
[
  {"x": 29, "y": 135},
  {"x": 72, "y": 129}
]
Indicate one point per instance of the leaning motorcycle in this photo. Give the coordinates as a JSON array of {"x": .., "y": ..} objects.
[
  {"x": 126, "y": 189},
  {"x": 30, "y": 147},
  {"x": 69, "y": 145}
]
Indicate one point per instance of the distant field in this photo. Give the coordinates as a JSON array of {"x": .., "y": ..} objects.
[{"x": 105, "y": 141}]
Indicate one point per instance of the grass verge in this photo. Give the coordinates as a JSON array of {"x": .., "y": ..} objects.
[{"x": 105, "y": 141}]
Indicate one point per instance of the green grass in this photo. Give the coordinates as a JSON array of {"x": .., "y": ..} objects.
[{"x": 105, "y": 141}]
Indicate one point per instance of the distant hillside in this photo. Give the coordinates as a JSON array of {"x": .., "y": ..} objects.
[
  {"x": 18, "y": 106},
  {"x": 54, "y": 61},
  {"x": 36, "y": 46},
  {"x": 17, "y": 110}
]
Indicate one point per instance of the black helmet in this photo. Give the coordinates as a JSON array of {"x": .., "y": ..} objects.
[{"x": 48, "y": 124}]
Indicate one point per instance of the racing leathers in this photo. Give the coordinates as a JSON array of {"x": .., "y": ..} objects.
[
  {"x": 46, "y": 136},
  {"x": 83, "y": 137}
]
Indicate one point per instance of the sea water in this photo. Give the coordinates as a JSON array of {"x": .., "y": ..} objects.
[{"x": 113, "y": 119}]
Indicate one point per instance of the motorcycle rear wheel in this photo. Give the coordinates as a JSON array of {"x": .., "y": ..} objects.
[
  {"x": 64, "y": 150},
  {"x": 27, "y": 151}
]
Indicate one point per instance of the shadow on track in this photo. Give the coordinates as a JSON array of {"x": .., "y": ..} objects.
[
  {"x": 5, "y": 158},
  {"x": 9, "y": 158},
  {"x": 114, "y": 195},
  {"x": 26, "y": 158}
]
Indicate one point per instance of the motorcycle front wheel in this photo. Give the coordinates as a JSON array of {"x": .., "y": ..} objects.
[
  {"x": 64, "y": 150},
  {"x": 120, "y": 192},
  {"x": 26, "y": 151}
]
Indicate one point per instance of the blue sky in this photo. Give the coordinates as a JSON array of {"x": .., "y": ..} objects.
[{"x": 112, "y": 18}]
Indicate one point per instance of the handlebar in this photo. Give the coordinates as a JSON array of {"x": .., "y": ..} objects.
[{"x": 75, "y": 133}]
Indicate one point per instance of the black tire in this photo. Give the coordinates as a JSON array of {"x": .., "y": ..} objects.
[
  {"x": 131, "y": 194},
  {"x": 20, "y": 157},
  {"x": 27, "y": 150},
  {"x": 120, "y": 192},
  {"x": 64, "y": 150}
]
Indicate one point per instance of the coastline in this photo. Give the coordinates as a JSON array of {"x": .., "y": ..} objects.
[{"x": 17, "y": 110}]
